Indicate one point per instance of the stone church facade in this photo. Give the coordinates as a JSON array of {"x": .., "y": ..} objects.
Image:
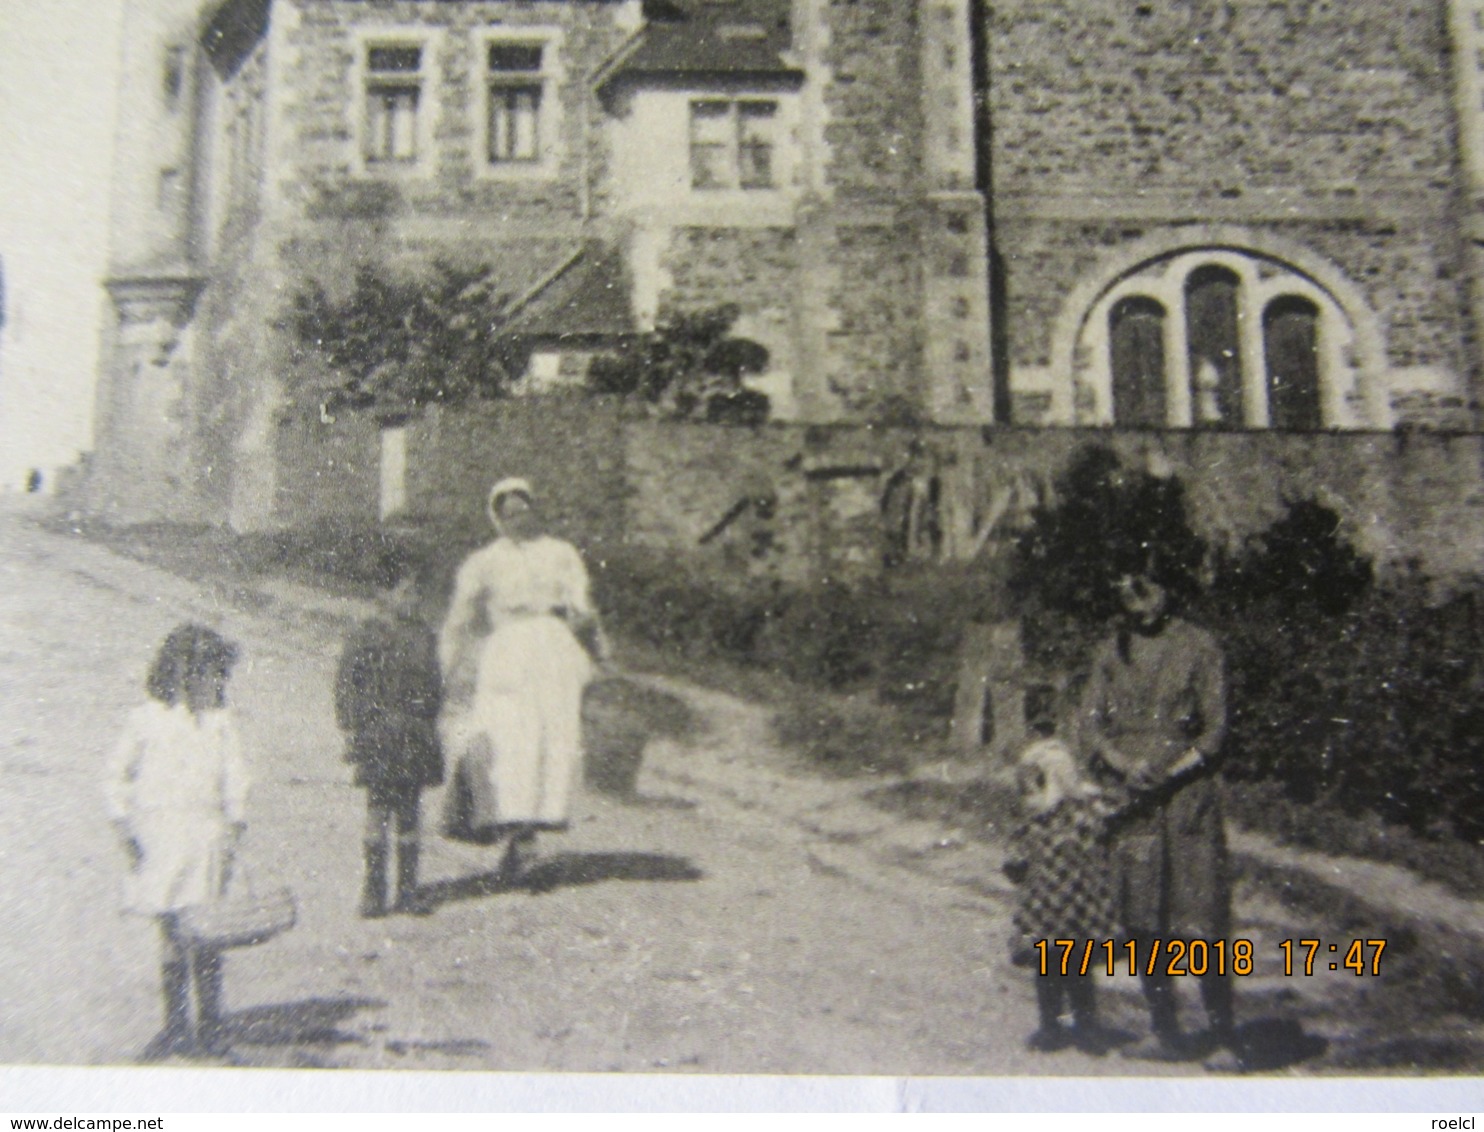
[{"x": 1246, "y": 215}]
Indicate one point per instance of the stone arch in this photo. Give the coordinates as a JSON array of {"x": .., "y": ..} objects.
[{"x": 1120, "y": 263}]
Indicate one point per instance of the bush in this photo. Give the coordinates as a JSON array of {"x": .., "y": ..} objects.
[
  {"x": 398, "y": 343},
  {"x": 689, "y": 367},
  {"x": 643, "y": 595},
  {"x": 1367, "y": 697},
  {"x": 1106, "y": 521},
  {"x": 892, "y": 643},
  {"x": 1380, "y": 710},
  {"x": 985, "y": 809},
  {"x": 1267, "y": 806},
  {"x": 1300, "y": 563},
  {"x": 738, "y": 407}
]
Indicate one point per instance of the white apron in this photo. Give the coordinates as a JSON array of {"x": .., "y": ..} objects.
[{"x": 514, "y": 675}]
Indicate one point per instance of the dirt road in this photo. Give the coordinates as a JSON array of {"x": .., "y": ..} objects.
[{"x": 735, "y": 917}]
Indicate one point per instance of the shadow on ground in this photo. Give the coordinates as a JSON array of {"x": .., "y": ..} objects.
[
  {"x": 451, "y": 1047},
  {"x": 1263, "y": 1045},
  {"x": 570, "y": 869},
  {"x": 653, "y": 801},
  {"x": 564, "y": 870},
  {"x": 313, "y": 1021}
]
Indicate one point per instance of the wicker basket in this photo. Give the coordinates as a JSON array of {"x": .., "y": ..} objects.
[
  {"x": 239, "y": 919},
  {"x": 615, "y": 731}
]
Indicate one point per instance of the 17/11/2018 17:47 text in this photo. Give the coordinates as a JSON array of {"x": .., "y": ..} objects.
[{"x": 1202, "y": 956}]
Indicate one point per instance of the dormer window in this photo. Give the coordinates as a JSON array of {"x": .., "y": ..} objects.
[
  {"x": 394, "y": 79},
  {"x": 517, "y": 86},
  {"x": 732, "y": 143}
]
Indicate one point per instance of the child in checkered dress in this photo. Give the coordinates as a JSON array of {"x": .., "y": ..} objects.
[{"x": 1059, "y": 859}]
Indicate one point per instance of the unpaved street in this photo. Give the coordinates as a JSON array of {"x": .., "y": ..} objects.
[{"x": 735, "y": 917}]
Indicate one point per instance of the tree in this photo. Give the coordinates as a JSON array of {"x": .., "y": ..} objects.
[
  {"x": 689, "y": 366},
  {"x": 398, "y": 344}
]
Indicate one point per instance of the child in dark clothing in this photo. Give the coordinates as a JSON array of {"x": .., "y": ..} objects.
[
  {"x": 387, "y": 695},
  {"x": 1059, "y": 860}
]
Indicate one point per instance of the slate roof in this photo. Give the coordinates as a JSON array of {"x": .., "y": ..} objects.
[
  {"x": 689, "y": 39},
  {"x": 231, "y": 30},
  {"x": 683, "y": 39},
  {"x": 584, "y": 294}
]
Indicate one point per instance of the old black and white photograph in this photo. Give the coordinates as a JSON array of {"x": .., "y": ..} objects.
[{"x": 907, "y": 538}]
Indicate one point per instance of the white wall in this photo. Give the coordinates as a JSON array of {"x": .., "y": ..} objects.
[
  {"x": 58, "y": 76},
  {"x": 651, "y": 165}
]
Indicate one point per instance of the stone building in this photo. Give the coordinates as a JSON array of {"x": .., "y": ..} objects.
[
  {"x": 1260, "y": 200},
  {"x": 1253, "y": 214}
]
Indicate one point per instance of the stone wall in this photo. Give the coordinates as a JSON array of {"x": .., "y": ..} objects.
[
  {"x": 570, "y": 451},
  {"x": 1402, "y": 497},
  {"x": 687, "y": 480},
  {"x": 1211, "y": 96},
  {"x": 328, "y": 471},
  {"x": 803, "y": 504},
  {"x": 877, "y": 333},
  {"x": 752, "y": 268}
]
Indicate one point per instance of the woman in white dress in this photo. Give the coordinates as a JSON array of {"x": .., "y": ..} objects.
[
  {"x": 517, "y": 649},
  {"x": 177, "y": 794}
]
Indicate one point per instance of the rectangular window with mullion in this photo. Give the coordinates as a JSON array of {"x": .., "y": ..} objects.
[
  {"x": 516, "y": 86},
  {"x": 391, "y": 123},
  {"x": 393, "y": 94},
  {"x": 755, "y": 134},
  {"x": 732, "y": 143},
  {"x": 713, "y": 133},
  {"x": 515, "y": 123}
]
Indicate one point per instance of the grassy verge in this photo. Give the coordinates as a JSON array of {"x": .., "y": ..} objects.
[
  {"x": 983, "y": 808},
  {"x": 1455, "y": 864}
]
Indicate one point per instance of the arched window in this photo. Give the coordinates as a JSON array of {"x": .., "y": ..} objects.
[
  {"x": 1290, "y": 334},
  {"x": 1217, "y": 337},
  {"x": 1214, "y": 336},
  {"x": 1136, "y": 343}
]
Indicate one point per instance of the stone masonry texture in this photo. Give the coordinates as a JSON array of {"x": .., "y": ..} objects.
[
  {"x": 1214, "y": 93},
  {"x": 1329, "y": 123},
  {"x": 873, "y": 127},
  {"x": 608, "y": 478},
  {"x": 322, "y": 103}
]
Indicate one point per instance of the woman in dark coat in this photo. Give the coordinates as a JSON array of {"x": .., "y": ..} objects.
[
  {"x": 1154, "y": 716},
  {"x": 387, "y": 697}
]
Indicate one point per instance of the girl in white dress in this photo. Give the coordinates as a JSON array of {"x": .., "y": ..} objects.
[
  {"x": 517, "y": 649},
  {"x": 177, "y": 793}
]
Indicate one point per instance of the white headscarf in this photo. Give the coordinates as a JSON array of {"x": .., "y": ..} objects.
[
  {"x": 1059, "y": 777},
  {"x": 510, "y": 485}
]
